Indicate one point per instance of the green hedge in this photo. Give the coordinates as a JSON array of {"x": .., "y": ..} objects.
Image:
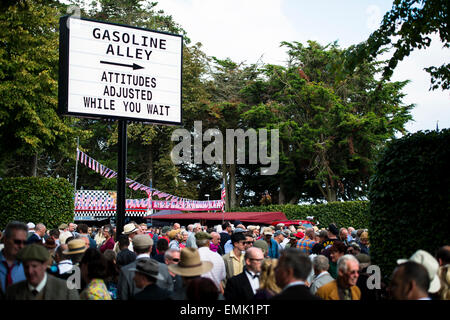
[
  {"x": 45, "y": 200},
  {"x": 344, "y": 214},
  {"x": 410, "y": 198}
]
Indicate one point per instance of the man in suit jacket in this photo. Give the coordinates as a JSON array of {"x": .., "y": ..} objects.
[
  {"x": 321, "y": 275},
  {"x": 145, "y": 277},
  {"x": 38, "y": 284},
  {"x": 38, "y": 234},
  {"x": 243, "y": 286},
  {"x": 142, "y": 246},
  {"x": 291, "y": 272}
]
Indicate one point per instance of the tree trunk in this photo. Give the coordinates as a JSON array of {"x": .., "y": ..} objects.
[
  {"x": 233, "y": 200},
  {"x": 34, "y": 165},
  {"x": 281, "y": 195},
  {"x": 150, "y": 164}
]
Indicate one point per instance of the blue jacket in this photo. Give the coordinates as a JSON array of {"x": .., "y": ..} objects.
[
  {"x": 274, "y": 253},
  {"x": 17, "y": 272}
]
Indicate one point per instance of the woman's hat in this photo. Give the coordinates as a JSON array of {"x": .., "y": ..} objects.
[
  {"x": 190, "y": 264},
  {"x": 75, "y": 246}
]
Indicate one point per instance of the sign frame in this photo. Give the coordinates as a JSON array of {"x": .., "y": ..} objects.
[{"x": 63, "y": 80}]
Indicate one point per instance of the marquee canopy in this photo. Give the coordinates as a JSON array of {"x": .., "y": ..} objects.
[{"x": 249, "y": 217}]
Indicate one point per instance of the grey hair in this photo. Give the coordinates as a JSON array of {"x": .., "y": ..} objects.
[
  {"x": 202, "y": 243},
  {"x": 342, "y": 262},
  {"x": 190, "y": 227},
  {"x": 321, "y": 263},
  {"x": 39, "y": 226},
  {"x": 14, "y": 225},
  {"x": 168, "y": 253}
]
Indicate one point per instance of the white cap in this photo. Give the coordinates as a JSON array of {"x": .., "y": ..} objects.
[{"x": 30, "y": 225}]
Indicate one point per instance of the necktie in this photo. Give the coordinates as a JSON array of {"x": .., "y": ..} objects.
[
  {"x": 34, "y": 292},
  {"x": 347, "y": 294},
  {"x": 9, "y": 280}
]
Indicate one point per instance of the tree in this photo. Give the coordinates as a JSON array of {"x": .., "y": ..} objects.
[
  {"x": 331, "y": 123},
  {"x": 407, "y": 27},
  {"x": 35, "y": 140}
]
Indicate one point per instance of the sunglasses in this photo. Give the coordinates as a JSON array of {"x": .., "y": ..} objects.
[
  {"x": 175, "y": 259},
  {"x": 249, "y": 242},
  {"x": 20, "y": 242}
]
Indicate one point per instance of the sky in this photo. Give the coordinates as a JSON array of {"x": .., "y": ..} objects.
[{"x": 252, "y": 30}]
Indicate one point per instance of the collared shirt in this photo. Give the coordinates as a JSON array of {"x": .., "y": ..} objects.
[
  {"x": 17, "y": 272},
  {"x": 228, "y": 247},
  {"x": 174, "y": 244},
  {"x": 284, "y": 243},
  {"x": 238, "y": 263},
  {"x": 305, "y": 245},
  {"x": 320, "y": 275},
  {"x": 217, "y": 273},
  {"x": 143, "y": 255},
  {"x": 40, "y": 286},
  {"x": 295, "y": 283},
  {"x": 65, "y": 266},
  {"x": 254, "y": 281}
]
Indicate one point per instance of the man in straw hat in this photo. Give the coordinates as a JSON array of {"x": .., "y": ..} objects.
[
  {"x": 189, "y": 268},
  {"x": 75, "y": 250},
  {"x": 129, "y": 230},
  {"x": 146, "y": 273},
  {"x": 38, "y": 284},
  {"x": 142, "y": 246}
]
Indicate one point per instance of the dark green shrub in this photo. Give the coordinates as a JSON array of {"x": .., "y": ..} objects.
[
  {"x": 344, "y": 214},
  {"x": 45, "y": 200},
  {"x": 410, "y": 198}
]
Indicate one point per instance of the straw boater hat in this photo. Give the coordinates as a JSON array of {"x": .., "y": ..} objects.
[
  {"x": 129, "y": 228},
  {"x": 190, "y": 264},
  {"x": 75, "y": 246}
]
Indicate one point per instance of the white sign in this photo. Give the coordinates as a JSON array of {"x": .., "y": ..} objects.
[{"x": 110, "y": 70}]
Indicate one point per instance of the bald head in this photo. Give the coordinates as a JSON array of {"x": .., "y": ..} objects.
[{"x": 253, "y": 259}]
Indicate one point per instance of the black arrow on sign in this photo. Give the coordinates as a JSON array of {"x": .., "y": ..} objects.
[{"x": 134, "y": 65}]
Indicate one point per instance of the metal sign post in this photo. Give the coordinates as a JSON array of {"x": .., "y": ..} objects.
[{"x": 121, "y": 177}]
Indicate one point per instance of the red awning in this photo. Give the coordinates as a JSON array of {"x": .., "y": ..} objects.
[{"x": 252, "y": 217}]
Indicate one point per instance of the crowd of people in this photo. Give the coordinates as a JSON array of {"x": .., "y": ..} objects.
[{"x": 230, "y": 262}]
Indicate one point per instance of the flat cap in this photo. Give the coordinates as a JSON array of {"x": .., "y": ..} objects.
[
  {"x": 33, "y": 252},
  {"x": 142, "y": 241},
  {"x": 202, "y": 235}
]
